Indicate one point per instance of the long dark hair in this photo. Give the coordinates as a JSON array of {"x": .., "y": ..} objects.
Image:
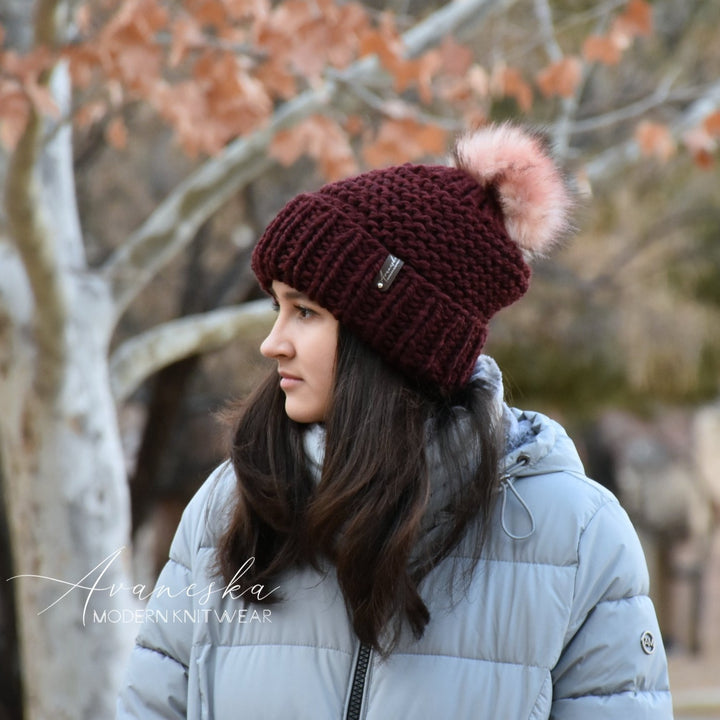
[{"x": 381, "y": 513}]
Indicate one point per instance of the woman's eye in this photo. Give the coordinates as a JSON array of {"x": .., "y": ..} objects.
[
  {"x": 304, "y": 312},
  {"x": 275, "y": 306}
]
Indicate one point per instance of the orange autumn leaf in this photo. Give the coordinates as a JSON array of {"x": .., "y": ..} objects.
[
  {"x": 510, "y": 82},
  {"x": 42, "y": 99},
  {"x": 704, "y": 160},
  {"x": 385, "y": 46},
  {"x": 244, "y": 9},
  {"x": 401, "y": 140},
  {"x": 24, "y": 73},
  {"x": 419, "y": 71},
  {"x": 116, "y": 133},
  {"x": 83, "y": 17},
  {"x": 14, "y": 114},
  {"x": 474, "y": 118},
  {"x": 602, "y": 48},
  {"x": 128, "y": 49},
  {"x": 429, "y": 66},
  {"x": 454, "y": 89},
  {"x": 430, "y": 139},
  {"x": 354, "y": 124},
  {"x": 137, "y": 66},
  {"x": 221, "y": 102},
  {"x": 90, "y": 113},
  {"x": 131, "y": 33},
  {"x": 712, "y": 123},
  {"x": 184, "y": 106},
  {"x": 702, "y": 146},
  {"x": 561, "y": 77},
  {"x": 207, "y": 12},
  {"x": 655, "y": 140},
  {"x": 320, "y": 138},
  {"x": 287, "y": 146},
  {"x": 84, "y": 63},
  {"x": 466, "y": 88},
  {"x": 337, "y": 160},
  {"x": 142, "y": 18},
  {"x": 277, "y": 79},
  {"x": 455, "y": 59},
  {"x": 305, "y": 37},
  {"x": 185, "y": 33},
  {"x": 349, "y": 22},
  {"x": 635, "y": 21},
  {"x": 29, "y": 66},
  {"x": 386, "y": 43}
]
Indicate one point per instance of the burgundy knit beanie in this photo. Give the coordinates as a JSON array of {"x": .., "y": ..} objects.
[{"x": 416, "y": 259}]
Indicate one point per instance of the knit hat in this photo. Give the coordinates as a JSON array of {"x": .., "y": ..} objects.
[{"x": 416, "y": 259}]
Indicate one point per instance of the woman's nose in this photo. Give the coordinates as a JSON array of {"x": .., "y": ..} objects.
[{"x": 276, "y": 344}]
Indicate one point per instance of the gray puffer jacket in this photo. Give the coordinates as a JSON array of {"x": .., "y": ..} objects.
[{"x": 555, "y": 622}]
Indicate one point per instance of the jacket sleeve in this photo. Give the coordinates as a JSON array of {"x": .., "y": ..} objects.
[
  {"x": 156, "y": 680},
  {"x": 613, "y": 664}
]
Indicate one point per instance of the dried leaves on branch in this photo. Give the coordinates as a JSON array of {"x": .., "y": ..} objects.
[{"x": 215, "y": 70}]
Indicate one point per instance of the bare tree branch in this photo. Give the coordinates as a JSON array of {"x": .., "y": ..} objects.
[
  {"x": 660, "y": 96},
  {"x": 138, "y": 358},
  {"x": 46, "y": 22},
  {"x": 555, "y": 53},
  {"x": 34, "y": 241},
  {"x": 41, "y": 211},
  {"x": 174, "y": 222},
  {"x": 547, "y": 31},
  {"x": 607, "y": 164},
  {"x": 460, "y": 17},
  {"x": 398, "y": 109}
]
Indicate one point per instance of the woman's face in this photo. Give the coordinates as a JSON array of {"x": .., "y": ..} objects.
[{"x": 303, "y": 340}]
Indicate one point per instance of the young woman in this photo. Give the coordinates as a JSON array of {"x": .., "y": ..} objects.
[{"x": 388, "y": 539}]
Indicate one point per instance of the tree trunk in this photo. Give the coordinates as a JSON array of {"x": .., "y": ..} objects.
[
  {"x": 68, "y": 512},
  {"x": 65, "y": 488}
]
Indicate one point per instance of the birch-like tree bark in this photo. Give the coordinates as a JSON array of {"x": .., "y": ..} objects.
[{"x": 65, "y": 491}]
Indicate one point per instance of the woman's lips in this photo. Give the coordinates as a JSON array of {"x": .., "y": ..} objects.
[{"x": 288, "y": 382}]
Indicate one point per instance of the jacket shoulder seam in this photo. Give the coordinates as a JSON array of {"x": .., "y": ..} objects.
[
  {"x": 495, "y": 661},
  {"x": 622, "y": 598},
  {"x": 581, "y": 534},
  {"x": 538, "y": 563},
  {"x": 273, "y": 644},
  {"x": 162, "y": 653},
  {"x": 636, "y": 691},
  {"x": 177, "y": 561}
]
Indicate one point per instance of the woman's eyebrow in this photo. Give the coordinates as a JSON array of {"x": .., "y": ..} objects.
[{"x": 292, "y": 295}]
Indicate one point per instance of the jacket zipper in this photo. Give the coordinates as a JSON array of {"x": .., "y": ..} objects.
[{"x": 357, "y": 690}]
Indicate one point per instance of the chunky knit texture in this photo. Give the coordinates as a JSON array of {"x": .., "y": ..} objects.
[{"x": 446, "y": 224}]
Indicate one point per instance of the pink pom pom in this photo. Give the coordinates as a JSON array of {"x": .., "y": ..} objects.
[{"x": 535, "y": 199}]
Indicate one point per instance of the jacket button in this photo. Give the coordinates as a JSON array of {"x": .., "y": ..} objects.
[{"x": 647, "y": 642}]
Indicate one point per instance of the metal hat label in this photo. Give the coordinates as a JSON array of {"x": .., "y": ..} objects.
[{"x": 388, "y": 272}]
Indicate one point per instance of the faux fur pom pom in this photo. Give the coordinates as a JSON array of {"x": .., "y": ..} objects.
[{"x": 535, "y": 199}]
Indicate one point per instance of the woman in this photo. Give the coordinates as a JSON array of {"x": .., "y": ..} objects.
[{"x": 388, "y": 538}]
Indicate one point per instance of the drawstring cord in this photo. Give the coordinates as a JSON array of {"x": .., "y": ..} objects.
[{"x": 507, "y": 483}]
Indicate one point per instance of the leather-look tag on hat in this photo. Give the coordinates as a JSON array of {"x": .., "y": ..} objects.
[{"x": 388, "y": 272}]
